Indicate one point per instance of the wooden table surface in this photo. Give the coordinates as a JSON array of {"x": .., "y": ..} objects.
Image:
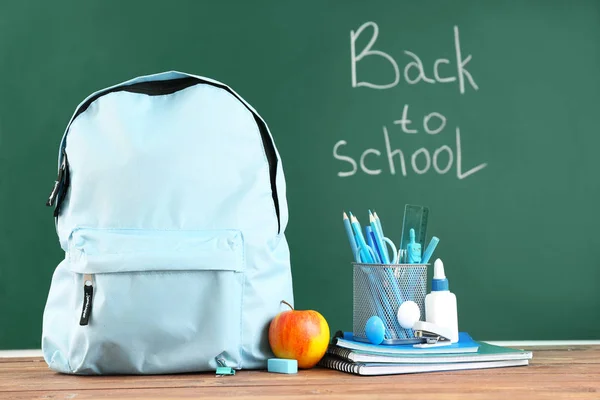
[{"x": 554, "y": 372}]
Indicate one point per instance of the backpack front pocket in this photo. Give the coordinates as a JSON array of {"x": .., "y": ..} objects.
[{"x": 150, "y": 301}]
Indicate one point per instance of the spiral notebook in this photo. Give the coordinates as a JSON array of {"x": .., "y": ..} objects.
[
  {"x": 333, "y": 362},
  {"x": 487, "y": 352}
]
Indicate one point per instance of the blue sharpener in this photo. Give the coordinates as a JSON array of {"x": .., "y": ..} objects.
[{"x": 282, "y": 366}]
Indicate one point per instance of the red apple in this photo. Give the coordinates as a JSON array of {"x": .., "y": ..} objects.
[{"x": 301, "y": 335}]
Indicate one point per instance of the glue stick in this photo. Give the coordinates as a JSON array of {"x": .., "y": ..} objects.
[{"x": 440, "y": 304}]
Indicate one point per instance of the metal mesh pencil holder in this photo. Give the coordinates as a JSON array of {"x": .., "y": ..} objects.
[{"x": 380, "y": 289}]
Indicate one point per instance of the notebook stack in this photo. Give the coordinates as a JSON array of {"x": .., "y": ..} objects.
[{"x": 360, "y": 358}]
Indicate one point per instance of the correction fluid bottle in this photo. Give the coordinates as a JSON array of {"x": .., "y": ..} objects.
[{"x": 440, "y": 304}]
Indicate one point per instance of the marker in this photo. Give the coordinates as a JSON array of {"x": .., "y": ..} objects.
[
  {"x": 350, "y": 235},
  {"x": 430, "y": 249},
  {"x": 360, "y": 240}
]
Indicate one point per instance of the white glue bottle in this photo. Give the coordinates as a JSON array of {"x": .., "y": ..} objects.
[{"x": 440, "y": 304}]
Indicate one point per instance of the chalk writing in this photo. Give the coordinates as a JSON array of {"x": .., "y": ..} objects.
[
  {"x": 415, "y": 63},
  {"x": 421, "y": 159},
  {"x": 403, "y": 160}
]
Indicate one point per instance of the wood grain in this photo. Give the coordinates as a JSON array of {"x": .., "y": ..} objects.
[{"x": 554, "y": 372}]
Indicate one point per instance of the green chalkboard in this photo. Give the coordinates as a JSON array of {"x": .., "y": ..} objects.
[{"x": 486, "y": 112}]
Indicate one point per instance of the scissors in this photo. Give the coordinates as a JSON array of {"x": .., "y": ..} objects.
[{"x": 362, "y": 249}]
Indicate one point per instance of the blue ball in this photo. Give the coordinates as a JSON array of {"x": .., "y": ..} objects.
[{"x": 375, "y": 330}]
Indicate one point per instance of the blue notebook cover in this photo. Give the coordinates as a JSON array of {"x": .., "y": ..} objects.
[{"x": 465, "y": 344}]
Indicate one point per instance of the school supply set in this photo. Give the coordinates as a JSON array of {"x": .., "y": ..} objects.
[
  {"x": 397, "y": 327},
  {"x": 389, "y": 283},
  {"x": 170, "y": 206}
]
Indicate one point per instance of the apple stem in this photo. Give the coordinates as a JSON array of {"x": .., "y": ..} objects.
[{"x": 288, "y": 304}]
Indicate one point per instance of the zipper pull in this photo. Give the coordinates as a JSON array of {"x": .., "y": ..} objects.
[
  {"x": 222, "y": 368},
  {"x": 61, "y": 174},
  {"x": 88, "y": 294}
]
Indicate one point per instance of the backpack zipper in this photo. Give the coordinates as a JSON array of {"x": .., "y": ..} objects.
[
  {"x": 57, "y": 184},
  {"x": 88, "y": 297},
  {"x": 158, "y": 88}
]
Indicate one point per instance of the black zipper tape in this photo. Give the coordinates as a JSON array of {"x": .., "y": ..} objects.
[{"x": 159, "y": 88}]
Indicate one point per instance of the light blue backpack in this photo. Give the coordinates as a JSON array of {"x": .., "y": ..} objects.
[{"x": 170, "y": 206}]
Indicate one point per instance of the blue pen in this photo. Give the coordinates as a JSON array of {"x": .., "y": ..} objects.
[
  {"x": 389, "y": 276},
  {"x": 360, "y": 240},
  {"x": 430, "y": 249},
  {"x": 350, "y": 236},
  {"x": 371, "y": 242},
  {"x": 379, "y": 241},
  {"x": 374, "y": 295},
  {"x": 380, "y": 287},
  {"x": 368, "y": 232},
  {"x": 380, "y": 231}
]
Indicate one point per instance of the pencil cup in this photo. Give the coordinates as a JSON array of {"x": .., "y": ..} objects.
[{"x": 380, "y": 289}]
